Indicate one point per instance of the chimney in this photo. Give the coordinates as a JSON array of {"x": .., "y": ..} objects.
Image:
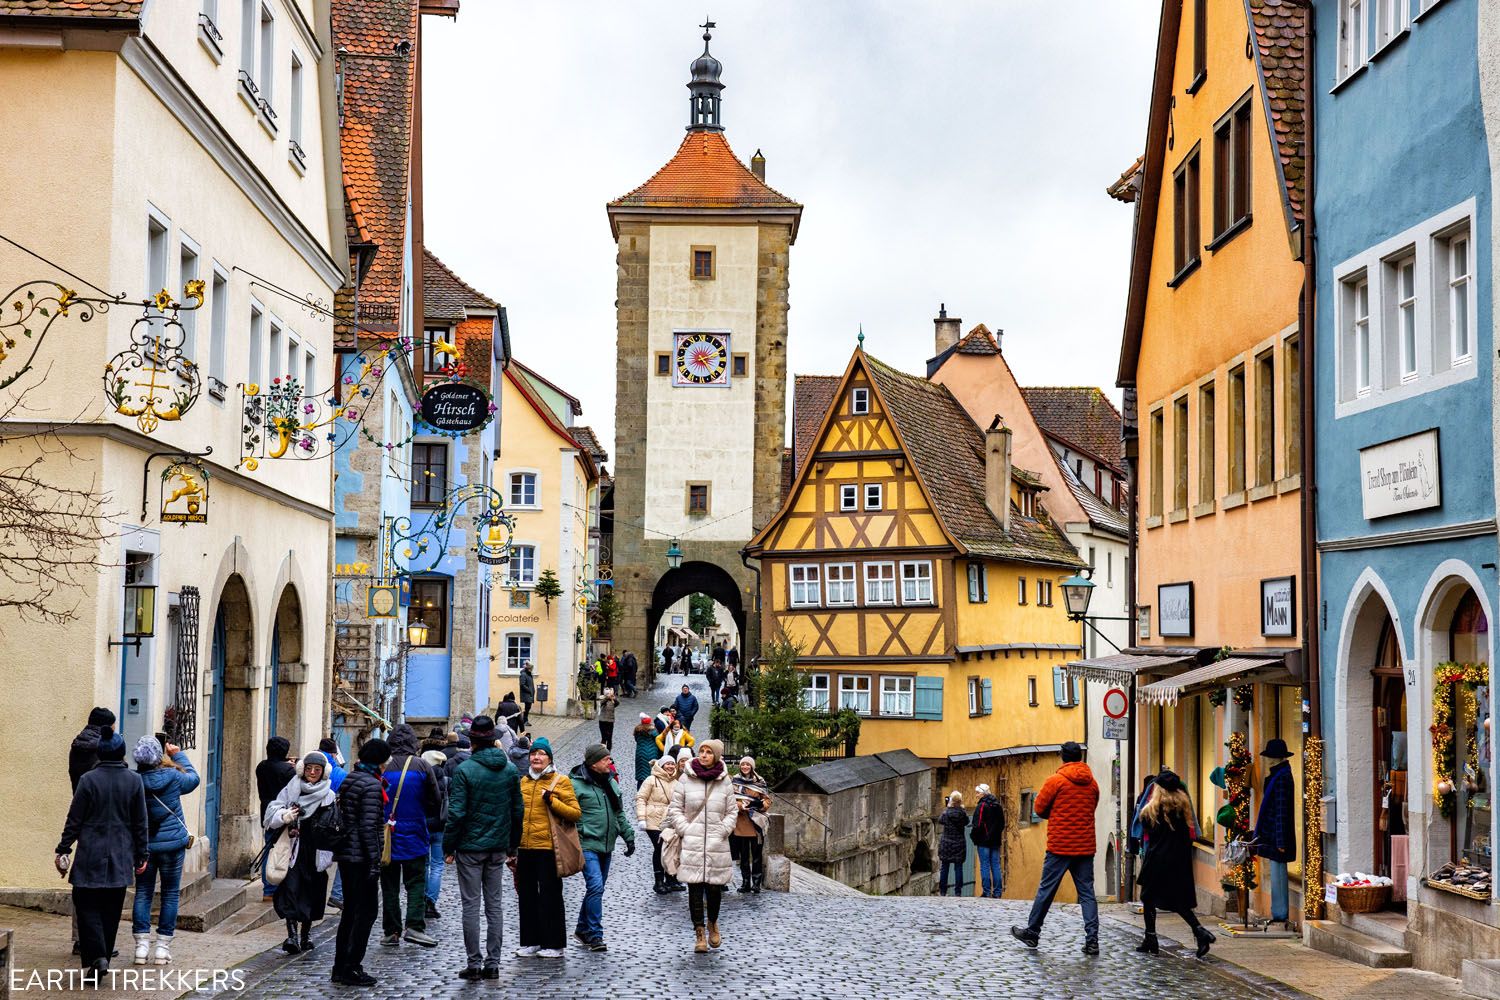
[
  {"x": 997, "y": 471},
  {"x": 945, "y": 333},
  {"x": 758, "y": 166}
]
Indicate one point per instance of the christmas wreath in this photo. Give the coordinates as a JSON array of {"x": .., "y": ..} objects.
[{"x": 1452, "y": 682}]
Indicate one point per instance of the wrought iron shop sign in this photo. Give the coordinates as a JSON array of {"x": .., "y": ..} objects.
[
  {"x": 153, "y": 380},
  {"x": 456, "y": 408},
  {"x": 184, "y": 493}
]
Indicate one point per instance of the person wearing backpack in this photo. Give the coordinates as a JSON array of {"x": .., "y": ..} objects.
[
  {"x": 166, "y": 781},
  {"x": 987, "y": 831}
]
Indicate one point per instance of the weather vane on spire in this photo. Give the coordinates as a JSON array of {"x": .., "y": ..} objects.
[{"x": 708, "y": 26}]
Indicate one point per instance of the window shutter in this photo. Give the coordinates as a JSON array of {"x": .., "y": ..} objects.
[
  {"x": 1059, "y": 687},
  {"x": 985, "y": 697},
  {"x": 927, "y": 701}
]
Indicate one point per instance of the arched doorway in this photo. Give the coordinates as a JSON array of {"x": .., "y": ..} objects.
[
  {"x": 1457, "y": 632},
  {"x": 695, "y": 578},
  {"x": 230, "y": 825},
  {"x": 284, "y": 686}
]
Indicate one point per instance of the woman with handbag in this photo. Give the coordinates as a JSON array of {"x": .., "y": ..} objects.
[
  {"x": 311, "y": 829},
  {"x": 549, "y": 852},
  {"x": 166, "y": 780},
  {"x": 651, "y": 803},
  {"x": 1166, "y": 876},
  {"x": 700, "y": 821}
]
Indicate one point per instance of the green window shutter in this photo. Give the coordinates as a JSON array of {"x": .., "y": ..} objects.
[
  {"x": 1059, "y": 687},
  {"x": 928, "y": 698},
  {"x": 984, "y": 707}
]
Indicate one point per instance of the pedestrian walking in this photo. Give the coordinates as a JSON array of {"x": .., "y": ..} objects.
[
  {"x": 165, "y": 780},
  {"x": 528, "y": 694},
  {"x": 271, "y": 776},
  {"x": 747, "y": 843},
  {"x": 518, "y": 750},
  {"x": 666, "y": 660},
  {"x": 83, "y": 754},
  {"x": 629, "y": 671},
  {"x": 951, "y": 850},
  {"x": 1067, "y": 801},
  {"x": 329, "y": 747},
  {"x": 673, "y": 737},
  {"x": 715, "y": 677},
  {"x": 1166, "y": 876},
  {"x": 107, "y": 822},
  {"x": 538, "y": 887},
  {"x": 646, "y": 750},
  {"x": 702, "y": 817},
  {"x": 508, "y": 712},
  {"x": 602, "y": 823},
  {"x": 361, "y": 806},
  {"x": 304, "y": 811},
  {"x": 413, "y": 800},
  {"x": 987, "y": 833},
  {"x": 732, "y": 658},
  {"x": 483, "y": 833},
  {"x": 652, "y": 799},
  {"x": 438, "y": 761},
  {"x": 686, "y": 704},
  {"x": 608, "y": 700}
]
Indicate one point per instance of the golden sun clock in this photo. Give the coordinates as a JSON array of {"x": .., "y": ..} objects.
[{"x": 701, "y": 359}]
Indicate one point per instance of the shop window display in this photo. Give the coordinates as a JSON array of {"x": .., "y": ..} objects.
[{"x": 1461, "y": 754}]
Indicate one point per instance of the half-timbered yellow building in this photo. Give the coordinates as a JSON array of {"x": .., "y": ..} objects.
[{"x": 918, "y": 573}]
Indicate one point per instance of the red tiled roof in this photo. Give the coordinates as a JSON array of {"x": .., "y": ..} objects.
[
  {"x": 376, "y": 140},
  {"x": 704, "y": 173},
  {"x": 1280, "y": 29},
  {"x": 1124, "y": 189},
  {"x": 1080, "y": 416},
  {"x": 812, "y": 395},
  {"x": 978, "y": 341},
  {"x": 444, "y": 294},
  {"x": 117, "y": 10},
  {"x": 590, "y": 441}
]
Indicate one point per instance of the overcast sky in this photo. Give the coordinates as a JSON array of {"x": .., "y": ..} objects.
[{"x": 944, "y": 152}]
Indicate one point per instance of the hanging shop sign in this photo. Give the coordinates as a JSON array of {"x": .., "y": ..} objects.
[
  {"x": 381, "y": 601},
  {"x": 1174, "y": 609},
  {"x": 153, "y": 380},
  {"x": 456, "y": 408},
  {"x": 1278, "y": 601},
  {"x": 27, "y": 314},
  {"x": 184, "y": 493},
  {"x": 1401, "y": 476},
  {"x": 413, "y": 549}
]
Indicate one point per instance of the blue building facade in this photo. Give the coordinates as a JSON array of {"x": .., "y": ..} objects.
[{"x": 1404, "y": 457}]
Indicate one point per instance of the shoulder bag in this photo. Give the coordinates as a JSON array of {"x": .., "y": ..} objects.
[
  {"x": 390, "y": 824},
  {"x": 566, "y": 849},
  {"x": 173, "y": 814},
  {"x": 282, "y": 857}
]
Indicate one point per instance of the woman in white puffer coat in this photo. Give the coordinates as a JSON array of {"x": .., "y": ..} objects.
[{"x": 702, "y": 816}]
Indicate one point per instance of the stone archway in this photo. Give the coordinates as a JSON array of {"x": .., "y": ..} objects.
[
  {"x": 287, "y": 680},
  {"x": 696, "y": 578},
  {"x": 232, "y": 825}
]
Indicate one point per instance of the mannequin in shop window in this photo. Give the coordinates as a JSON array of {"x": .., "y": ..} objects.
[{"x": 1276, "y": 826}]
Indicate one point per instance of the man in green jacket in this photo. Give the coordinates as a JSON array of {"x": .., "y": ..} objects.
[
  {"x": 603, "y": 821},
  {"x": 482, "y": 835}
]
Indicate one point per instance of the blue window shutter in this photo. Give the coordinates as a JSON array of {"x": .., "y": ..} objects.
[
  {"x": 985, "y": 697},
  {"x": 928, "y": 698},
  {"x": 1059, "y": 687}
]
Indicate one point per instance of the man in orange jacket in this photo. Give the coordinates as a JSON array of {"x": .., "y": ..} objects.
[{"x": 1067, "y": 802}]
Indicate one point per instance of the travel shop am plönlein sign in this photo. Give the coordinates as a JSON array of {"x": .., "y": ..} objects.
[{"x": 1401, "y": 476}]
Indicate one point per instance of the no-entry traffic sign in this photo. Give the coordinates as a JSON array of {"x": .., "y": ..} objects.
[{"x": 1116, "y": 704}]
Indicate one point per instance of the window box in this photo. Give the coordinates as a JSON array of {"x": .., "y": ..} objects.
[
  {"x": 267, "y": 117},
  {"x": 1204, "y": 509},
  {"x": 1234, "y": 230},
  {"x": 1176, "y": 516}
]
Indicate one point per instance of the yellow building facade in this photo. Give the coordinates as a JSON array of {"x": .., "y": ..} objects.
[{"x": 918, "y": 574}]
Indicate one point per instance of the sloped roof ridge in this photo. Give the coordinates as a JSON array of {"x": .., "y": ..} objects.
[{"x": 640, "y": 196}]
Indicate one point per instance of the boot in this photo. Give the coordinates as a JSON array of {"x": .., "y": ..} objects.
[
  {"x": 163, "y": 954},
  {"x": 1205, "y": 937},
  {"x": 660, "y": 888},
  {"x": 307, "y": 944},
  {"x": 142, "y": 948},
  {"x": 744, "y": 885},
  {"x": 756, "y": 882},
  {"x": 291, "y": 945},
  {"x": 714, "y": 940},
  {"x": 1149, "y": 945},
  {"x": 674, "y": 885},
  {"x": 700, "y": 945}
]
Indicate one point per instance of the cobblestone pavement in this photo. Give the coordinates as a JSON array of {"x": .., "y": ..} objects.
[{"x": 775, "y": 945}]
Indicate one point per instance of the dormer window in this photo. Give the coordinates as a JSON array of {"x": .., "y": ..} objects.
[{"x": 1027, "y": 502}]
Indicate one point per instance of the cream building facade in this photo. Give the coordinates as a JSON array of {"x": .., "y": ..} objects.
[{"x": 164, "y": 145}]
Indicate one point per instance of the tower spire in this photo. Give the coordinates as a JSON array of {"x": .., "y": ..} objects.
[{"x": 704, "y": 87}]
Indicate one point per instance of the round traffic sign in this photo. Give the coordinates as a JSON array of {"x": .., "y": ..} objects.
[{"x": 1116, "y": 704}]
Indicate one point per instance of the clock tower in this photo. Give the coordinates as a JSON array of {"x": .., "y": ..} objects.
[{"x": 700, "y": 396}]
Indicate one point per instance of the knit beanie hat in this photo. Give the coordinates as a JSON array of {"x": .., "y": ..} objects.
[
  {"x": 595, "y": 754},
  {"x": 316, "y": 757},
  {"x": 464, "y": 743},
  {"x": 716, "y": 746},
  {"x": 646, "y": 717},
  {"x": 111, "y": 745},
  {"x": 543, "y": 744},
  {"x": 328, "y": 745},
  {"x": 747, "y": 759},
  {"x": 147, "y": 751},
  {"x": 375, "y": 751},
  {"x": 982, "y": 789},
  {"x": 100, "y": 716},
  {"x": 435, "y": 757}
]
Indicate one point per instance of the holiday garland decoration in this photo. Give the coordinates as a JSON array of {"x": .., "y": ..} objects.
[
  {"x": 1237, "y": 795},
  {"x": 1218, "y": 696},
  {"x": 1453, "y": 682},
  {"x": 1312, "y": 819},
  {"x": 1244, "y": 696}
]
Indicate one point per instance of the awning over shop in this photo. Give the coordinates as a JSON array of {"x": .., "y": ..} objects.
[
  {"x": 1122, "y": 668},
  {"x": 1233, "y": 669},
  {"x": 684, "y": 634},
  {"x": 984, "y": 755}
]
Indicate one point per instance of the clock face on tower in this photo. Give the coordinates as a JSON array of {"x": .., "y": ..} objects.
[{"x": 701, "y": 359}]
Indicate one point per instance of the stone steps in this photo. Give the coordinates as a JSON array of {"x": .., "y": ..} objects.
[
  {"x": 252, "y": 915},
  {"x": 226, "y": 897},
  {"x": 1347, "y": 943},
  {"x": 1389, "y": 927},
  {"x": 1482, "y": 977}
]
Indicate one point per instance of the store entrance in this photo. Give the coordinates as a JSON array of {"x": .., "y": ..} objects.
[{"x": 1388, "y": 705}]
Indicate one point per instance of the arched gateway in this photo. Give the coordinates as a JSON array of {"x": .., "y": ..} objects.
[{"x": 700, "y": 411}]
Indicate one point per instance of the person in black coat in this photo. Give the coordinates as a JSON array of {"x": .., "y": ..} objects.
[
  {"x": 107, "y": 820},
  {"x": 988, "y": 834},
  {"x": 271, "y": 776},
  {"x": 305, "y": 811},
  {"x": 951, "y": 850},
  {"x": 84, "y": 753},
  {"x": 361, "y": 808},
  {"x": 528, "y": 694},
  {"x": 1166, "y": 876}
]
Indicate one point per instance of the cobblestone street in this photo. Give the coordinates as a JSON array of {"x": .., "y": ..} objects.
[{"x": 775, "y": 945}]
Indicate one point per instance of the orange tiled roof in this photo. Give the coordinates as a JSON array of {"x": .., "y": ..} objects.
[
  {"x": 118, "y": 10},
  {"x": 1280, "y": 39},
  {"x": 704, "y": 173},
  {"x": 1123, "y": 189}
]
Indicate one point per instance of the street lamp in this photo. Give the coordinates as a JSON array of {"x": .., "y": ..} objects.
[
  {"x": 140, "y": 615},
  {"x": 416, "y": 633},
  {"x": 1077, "y": 590},
  {"x": 674, "y": 556}
]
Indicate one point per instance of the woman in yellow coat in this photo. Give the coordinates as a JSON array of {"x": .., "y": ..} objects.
[
  {"x": 539, "y": 895},
  {"x": 673, "y": 737}
]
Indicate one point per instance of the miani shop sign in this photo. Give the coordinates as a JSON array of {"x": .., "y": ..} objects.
[{"x": 1401, "y": 476}]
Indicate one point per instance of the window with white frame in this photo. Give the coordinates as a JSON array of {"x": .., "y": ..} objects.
[
  {"x": 896, "y": 697},
  {"x": 874, "y": 496},
  {"x": 1044, "y": 593},
  {"x": 294, "y": 115},
  {"x": 815, "y": 692},
  {"x": 859, "y": 401},
  {"x": 916, "y": 583},
  {"x": 1020, "y": 590},
  {"x": 805, "y": 586},
  {"x": 157, "y": 235},
  {"x": 840, "y": 584},
  {"x": 854, "y": 692},
  {"x": 979, "y": 590},
  {"x": 518, "y": 650},
  {"x": 1403, "y": 277},
  {"x": 267, "y": 55},
  {"x": 1392, "y": 18},
  {"x": 278, "y": 358},
  {"x": 309, "y": 373},
  {"x": 218, "y": 323},
  {"x": 849, "y": 496},
  {"x": 1456, "y": 272},
  {"x": 187, "y": 270},
  {"x": 880, "y": 583},
  {"x": 249, "y": 19},
  {"x": 294, "y": 357},
  {"x": 523, "y": 489},
  {"x": 1351, "y": 36},
  {"x": 523, "y": 564},
  {"x": 973, "y": 696},
  {"x": 1356, "y": 295},
  {"x": 257, "y": 345}
]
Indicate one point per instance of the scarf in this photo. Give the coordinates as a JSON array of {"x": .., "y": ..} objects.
[
  {"x": 605, "y": 782},
  {"x": 707, "y": 773},
  {"x": 534, "y": 776}
]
